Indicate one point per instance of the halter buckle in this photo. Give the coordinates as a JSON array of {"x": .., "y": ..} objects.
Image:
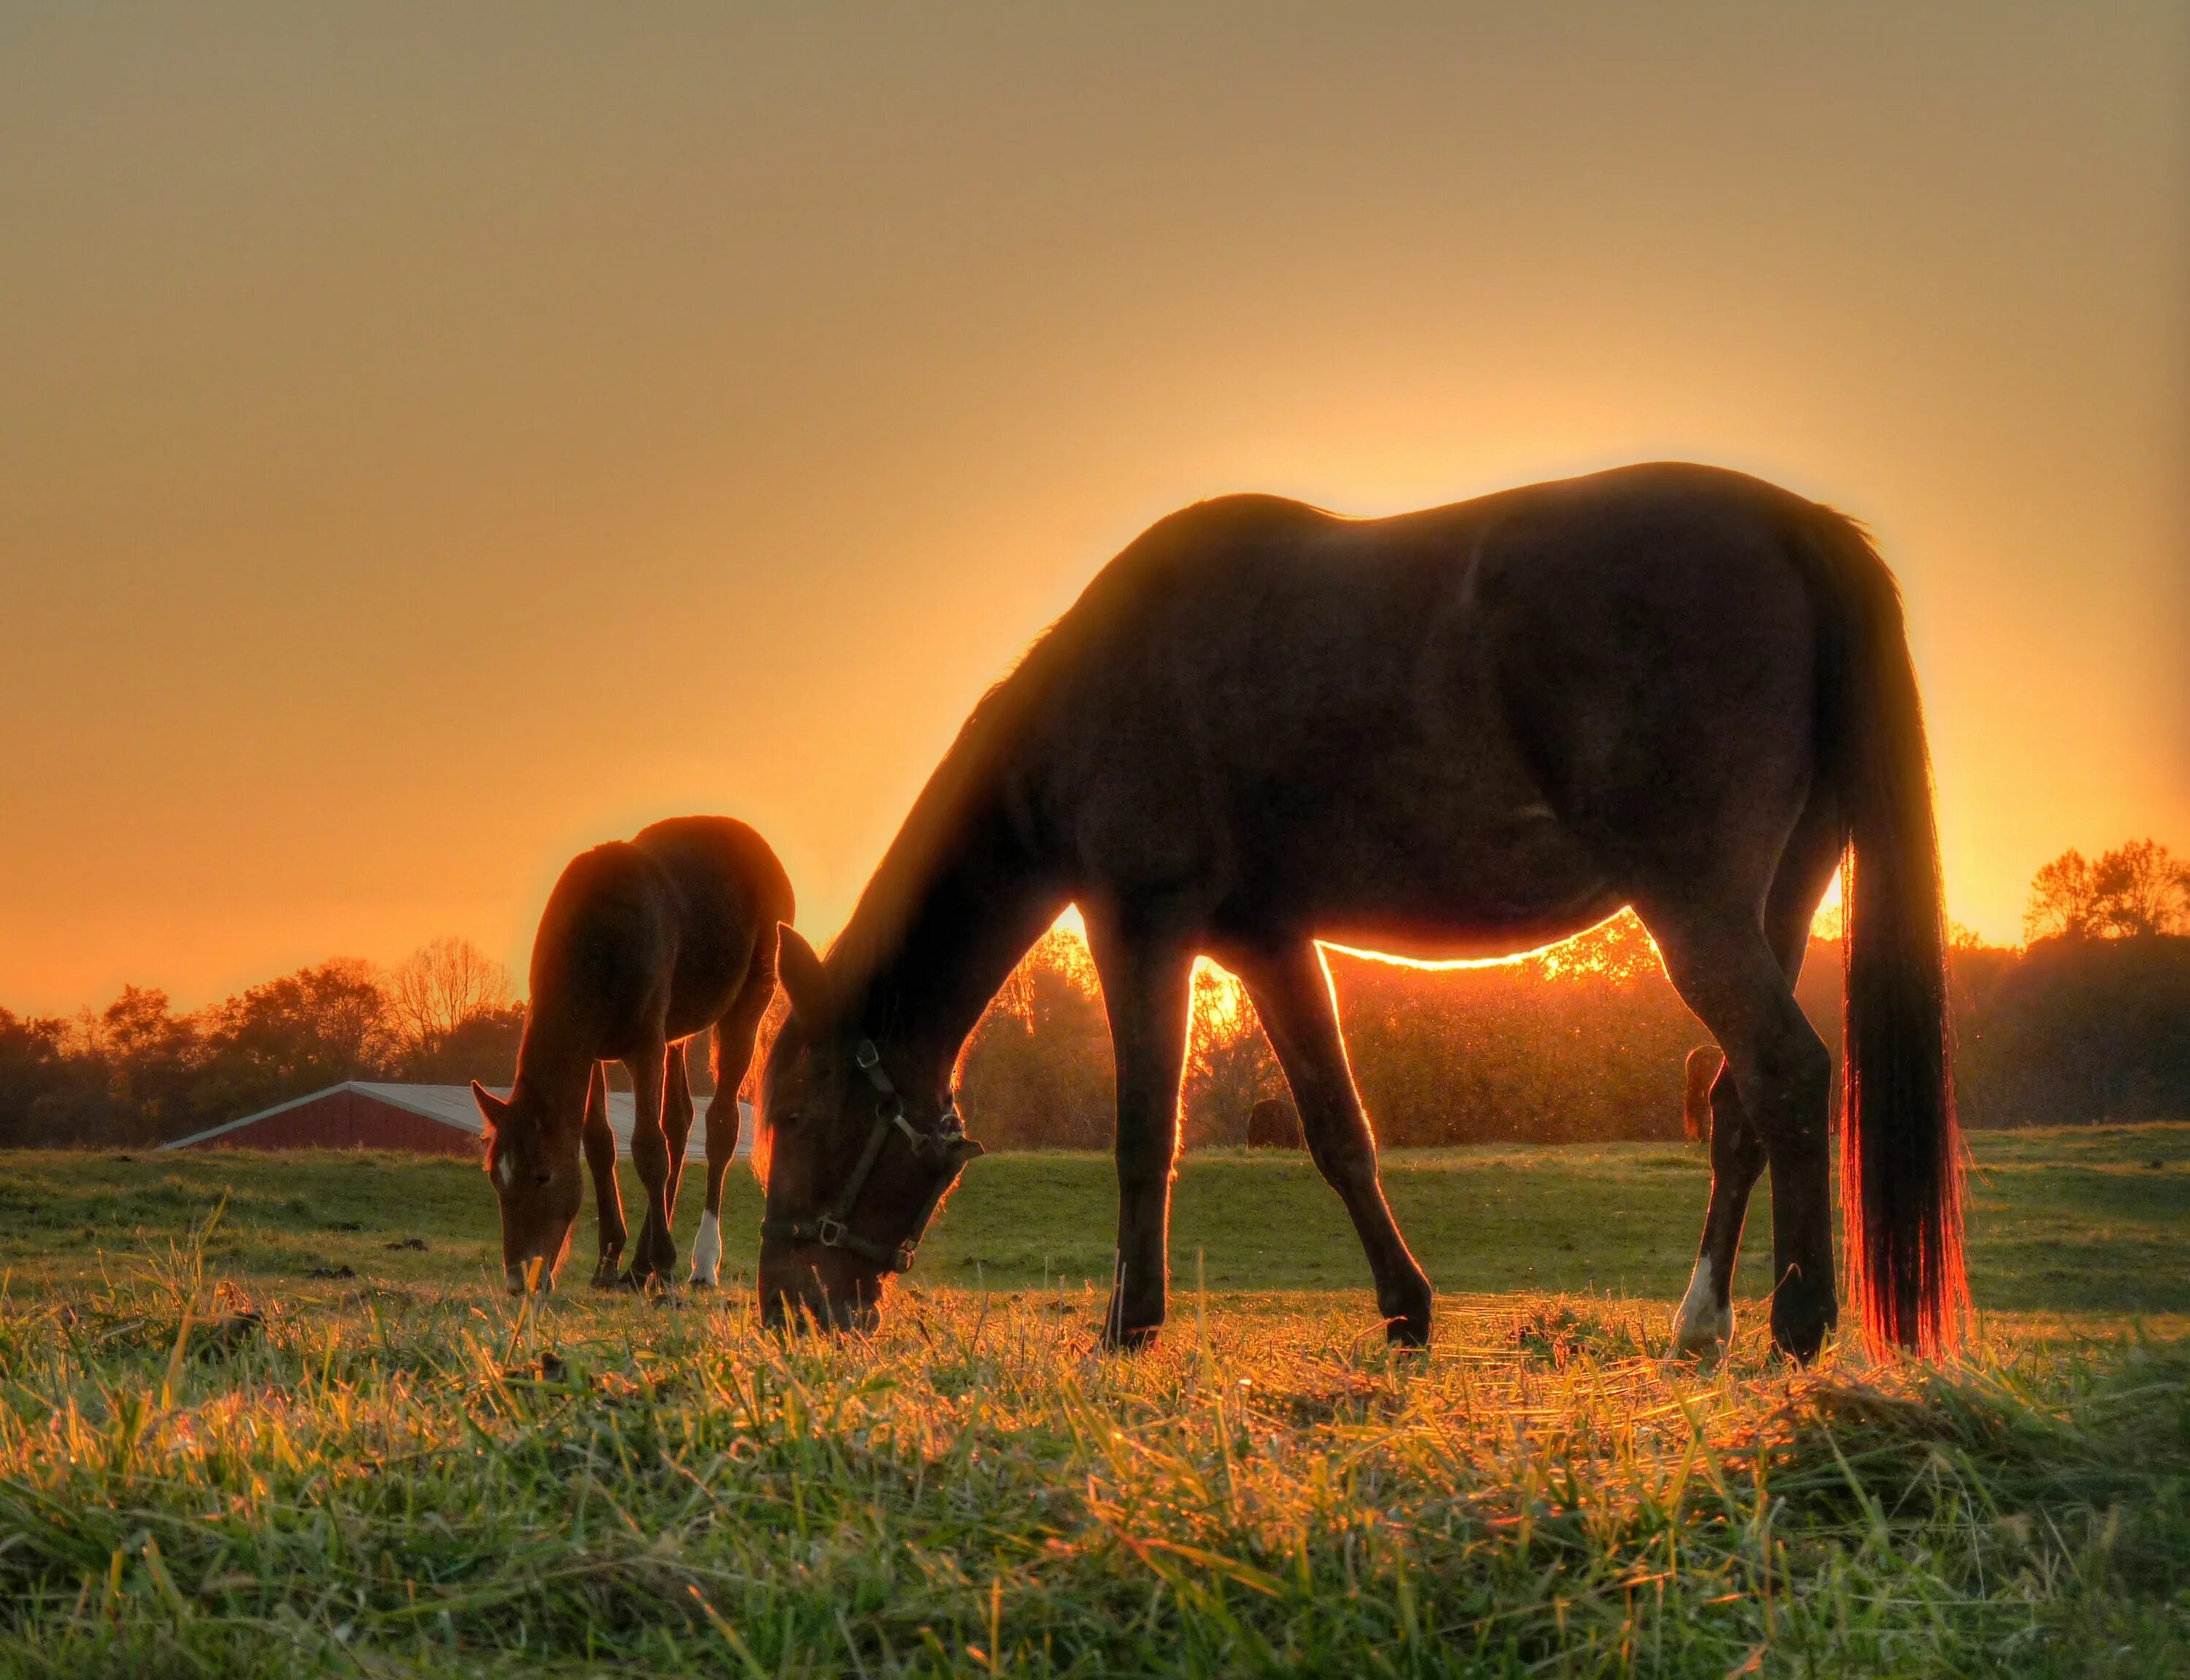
[{"x": 830, "y": 1232}]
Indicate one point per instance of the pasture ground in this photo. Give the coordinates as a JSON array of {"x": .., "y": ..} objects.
[{"x": 212, "y": 1462}]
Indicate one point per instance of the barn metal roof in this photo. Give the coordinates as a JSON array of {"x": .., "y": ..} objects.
[{"x": 452, "y": 1106}]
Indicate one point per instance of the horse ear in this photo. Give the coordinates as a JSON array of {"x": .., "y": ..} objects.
[
  {"x": 492, "y": 1109},
  {"x": 805, "y": 981}
]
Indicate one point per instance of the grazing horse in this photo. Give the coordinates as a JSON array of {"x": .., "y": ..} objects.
[
  {"x": 1465, "y": 731},
  {"x": 645, "y": 943}
]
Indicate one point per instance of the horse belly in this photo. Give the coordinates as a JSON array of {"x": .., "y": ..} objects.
[
  {"x": 702, "y": 992},
  {"x": 1451, "y": 882}
]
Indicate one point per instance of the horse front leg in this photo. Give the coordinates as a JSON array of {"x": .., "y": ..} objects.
[
  {"x": 733, "y": 1048},
  {"x": 1291, "y": 993},
  {"x": 650, "y": 1152},
  {"x": 1147, "y": 983},
  {"x": 608, "y": 1196}
]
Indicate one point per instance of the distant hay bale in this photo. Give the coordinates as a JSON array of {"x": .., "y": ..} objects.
[
  {"x": 1272, "y": 1124},
  {"x": 1704, "y": 1064}
]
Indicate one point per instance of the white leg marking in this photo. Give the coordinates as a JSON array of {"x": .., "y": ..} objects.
[
  {"x": 1701, "y": 1326},
  {"x": 708, "y": 1250}
]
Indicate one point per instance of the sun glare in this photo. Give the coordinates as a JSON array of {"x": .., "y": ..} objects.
[
  {"x": 1617, "y": 947},
  {"x": 1220, "y": 997}
]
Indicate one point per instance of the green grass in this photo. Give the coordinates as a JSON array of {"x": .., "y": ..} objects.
[
  {"x": 401, "y": 1472},
  {"x": 2062, "y": 1221}
]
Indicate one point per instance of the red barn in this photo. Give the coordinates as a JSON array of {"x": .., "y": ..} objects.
[{"x": 422, "y": 1119}]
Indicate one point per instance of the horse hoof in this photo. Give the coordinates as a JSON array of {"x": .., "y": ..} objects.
[
  {"x": 697, "y": 1281},
  {"x": 1704, "y": 1334},
  {"x": 1801, "y": 1318},
  {"x": 1137, "y": 1339},
  {"x": 1406, "y": 1310},
  {"x": 1802, "y": 1348},
  {"x": 1411, "y": 1334}
]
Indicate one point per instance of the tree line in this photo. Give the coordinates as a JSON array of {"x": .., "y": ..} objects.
[
  {"x": 138, "y": 1072},
  {"x": 2088, "y": 1019}
]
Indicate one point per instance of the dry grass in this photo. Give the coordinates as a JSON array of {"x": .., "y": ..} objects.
[{"x": 397, "y": 1479}]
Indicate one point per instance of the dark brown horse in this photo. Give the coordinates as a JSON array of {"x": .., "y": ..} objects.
[
  {"x": 645, "y": 943},
  {"x": 1464, "y": 732}
]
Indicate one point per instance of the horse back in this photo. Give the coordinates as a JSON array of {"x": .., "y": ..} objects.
[
  {"x": 727, "y": 891},
  {"x": 1495, "y": 714},
  {"x": 668, "y": 926}
]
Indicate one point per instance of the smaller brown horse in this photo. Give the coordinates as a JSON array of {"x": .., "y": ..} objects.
[{"x": 644, "y": 943}]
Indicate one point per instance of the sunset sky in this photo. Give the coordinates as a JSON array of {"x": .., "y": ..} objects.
[{"x": 435, "y": 439}]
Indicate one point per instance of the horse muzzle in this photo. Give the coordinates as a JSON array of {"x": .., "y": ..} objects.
[
  {"x": 513, "y": 1277},
  {"x": 810, "y": 1304}
]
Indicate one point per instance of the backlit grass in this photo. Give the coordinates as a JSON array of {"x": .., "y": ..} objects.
[{"x": 209, "y": 1465}]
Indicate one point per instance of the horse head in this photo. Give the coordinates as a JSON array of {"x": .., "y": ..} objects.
[
  {"x": 532, "y": 1160},
  {"x": 855, "y": 1168}
]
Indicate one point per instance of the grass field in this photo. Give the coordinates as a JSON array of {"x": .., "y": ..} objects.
[{"x": 392, "y": 1469}]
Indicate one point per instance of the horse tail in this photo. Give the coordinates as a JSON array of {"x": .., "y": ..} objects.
[{"x": 1901, "y": 1158}]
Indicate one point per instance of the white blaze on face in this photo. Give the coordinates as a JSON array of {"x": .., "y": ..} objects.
[
  {"x": 505, "y": 1169},
  {"x": 1701, "y": 1326},
  {"x": 707, "y": 1249}
]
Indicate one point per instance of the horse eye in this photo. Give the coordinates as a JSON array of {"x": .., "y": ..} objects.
[{"x": 540, "y": 1178}]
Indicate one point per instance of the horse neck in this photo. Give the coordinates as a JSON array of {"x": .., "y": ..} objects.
[
  {"x": 553, "y": 1065},
  {"x": 958, "y": 938}
]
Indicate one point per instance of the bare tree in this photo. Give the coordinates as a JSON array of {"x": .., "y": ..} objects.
[
  {"x": 2143, "y": 890},
  {"x": 440, "y": 987},
  {"x": 2137, "y": 888},
  {"x": 2064, "y": 900}
]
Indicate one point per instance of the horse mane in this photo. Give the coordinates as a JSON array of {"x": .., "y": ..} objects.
[
  {"x": 949, "y": 802},
  {"x": 938, "y": 818}
]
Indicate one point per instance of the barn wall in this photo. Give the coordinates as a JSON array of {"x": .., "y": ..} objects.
[{"x": 350, "y": 1120}]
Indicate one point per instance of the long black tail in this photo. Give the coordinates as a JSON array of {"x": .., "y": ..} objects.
[{"x": 1901, "y": 1156}]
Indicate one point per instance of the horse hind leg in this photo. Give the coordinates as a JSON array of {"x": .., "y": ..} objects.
[
  {"x": 657, "y": 1247},
  {"x": 1726, "y": 973},
  {"x": 1291, "y": 993},
  {"x": 735, "y": 1034},
  {"x": 650, "y": 1079},
  {"x": 608, "y": 1196},
  {"x": 676, "y": 1113},
  {"x": 1704, "y": 1323}
]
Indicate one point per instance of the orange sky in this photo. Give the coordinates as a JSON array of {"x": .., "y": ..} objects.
[{"x": 434, "y": 439}]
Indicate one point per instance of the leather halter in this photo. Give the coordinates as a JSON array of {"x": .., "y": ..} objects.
[{"x": 948, "y": 1148}]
